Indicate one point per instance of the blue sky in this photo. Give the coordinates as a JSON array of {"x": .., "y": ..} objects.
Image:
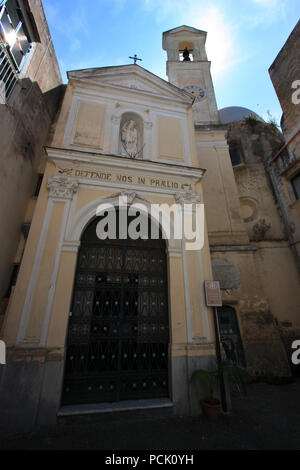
[{"x": 244, "y": 37}]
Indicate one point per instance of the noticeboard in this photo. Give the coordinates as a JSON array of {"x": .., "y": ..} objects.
[{"x": 213, "y": 294}]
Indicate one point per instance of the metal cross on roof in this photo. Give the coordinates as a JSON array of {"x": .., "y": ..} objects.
[{"x": 135, "y": 58}]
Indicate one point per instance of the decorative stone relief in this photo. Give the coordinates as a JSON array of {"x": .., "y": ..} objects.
[
  {"x": 190, "y": 197},
  {"x": 130, "y": 196},
  {"x": 249, "y": 183},
  {"x": 131, "y": 137},
  {"x": 62, "y": 187},
  {"x": 115, "y": 119},
  {"x": 260, "y": 229}
]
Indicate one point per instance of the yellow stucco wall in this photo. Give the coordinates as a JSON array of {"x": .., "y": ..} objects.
[
  {"x": 40, "y": 298},
  {"x": 62, "y": 301},
  {"x": 170, "y": 138},
  {"x": 17, "y": 300},
  {"x": 89, "y": 125},
  {"x": 60, "y": 127}
]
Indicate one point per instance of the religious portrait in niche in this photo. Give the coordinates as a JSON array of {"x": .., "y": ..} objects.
[{"x": 131, "y": 136}]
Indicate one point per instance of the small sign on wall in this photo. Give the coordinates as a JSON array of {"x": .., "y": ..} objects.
[{"x": 213, "y": 294}]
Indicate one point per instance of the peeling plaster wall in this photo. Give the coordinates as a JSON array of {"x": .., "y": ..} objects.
[{"x": 25, "y": 123}]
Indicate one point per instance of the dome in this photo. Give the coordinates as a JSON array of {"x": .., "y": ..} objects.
[{"x": 235, "y": 113}]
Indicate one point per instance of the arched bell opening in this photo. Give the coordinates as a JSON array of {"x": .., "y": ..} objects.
[{"x": 186, "y": 51}]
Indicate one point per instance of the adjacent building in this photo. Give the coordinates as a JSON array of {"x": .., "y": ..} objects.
[{"x": 30, "y": 93}]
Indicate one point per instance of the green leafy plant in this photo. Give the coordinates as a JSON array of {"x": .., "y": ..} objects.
[
  {"x": 273, "y": 121},
  {"x": 251, "y": 120},
  {"x": 236, "y": 375},
  {"x": 210, "y": 380}
]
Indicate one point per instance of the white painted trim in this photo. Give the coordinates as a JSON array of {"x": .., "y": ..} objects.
[
  {"x": 71, "y": 246},
  {"x": 69, "y": 129},
  {"x": 187, "y": 145},
  {"x": 132, "y": 187},
  {"x": 189, "y": 325},
  {"x": 72, "y": 212},
  {"x": 164, "y": 92},
  {"x": 51, "y": 293},
  {"x": 63, "y": 156},
  {"x": 206, "y": 326},
  {"x": 175, "y": 253},
  {"x": 118, "y": 187},
  {"x": 34, "y": 274},
  {"x": 126, "y": 97},
  {"x": 80, "y": 220}
]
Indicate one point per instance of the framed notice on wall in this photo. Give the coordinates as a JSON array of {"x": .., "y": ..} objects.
[{"x": 213, "y": 294}]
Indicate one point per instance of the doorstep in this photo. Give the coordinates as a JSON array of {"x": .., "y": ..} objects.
[{"x": 79, "y": 410}]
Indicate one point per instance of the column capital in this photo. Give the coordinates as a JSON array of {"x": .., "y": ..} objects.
[
  {"x": 190, "y": 197},
  {"x": 62, "y": 187}
]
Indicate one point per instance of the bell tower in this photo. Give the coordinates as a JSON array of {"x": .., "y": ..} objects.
[{"x": 188, "y": 68}]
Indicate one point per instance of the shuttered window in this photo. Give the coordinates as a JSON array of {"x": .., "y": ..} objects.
[{"x": 14, "y": 31}]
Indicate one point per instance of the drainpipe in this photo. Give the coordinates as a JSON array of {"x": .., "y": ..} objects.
[{"x": 283, "y": 148}]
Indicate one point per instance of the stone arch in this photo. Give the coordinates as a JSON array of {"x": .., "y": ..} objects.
[
  {"x": 87, "y": 213},
  {"x": 117, "y": 345}
]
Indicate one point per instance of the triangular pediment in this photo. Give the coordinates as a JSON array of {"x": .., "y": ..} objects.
[
  {"x": 185, "y": 29},
  {"x": 131, "y": 78},
  {"x": 183, "y": 32}
]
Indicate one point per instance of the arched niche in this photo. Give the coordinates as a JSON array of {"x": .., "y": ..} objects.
[{"x": 131, "y": 135}]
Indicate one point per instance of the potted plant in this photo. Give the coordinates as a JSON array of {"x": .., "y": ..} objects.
[{"x": 237, "y": 377}]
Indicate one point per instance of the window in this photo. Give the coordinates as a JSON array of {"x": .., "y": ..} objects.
[
  {"x": 236, "y": 154},
  {"x": 296, "y": 185},
  {"x": 13, "y": 279},
  {"x": 14, "y": 31},
  {"x": 38, "y": 185},
  {"x": 15, "y": 44}
]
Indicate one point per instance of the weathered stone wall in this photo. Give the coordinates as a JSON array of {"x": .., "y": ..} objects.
[
  {"x": 284, "y": 71},
  {"x": 285, "y": 75},
  {"x": 259, "y": 277},
  {"x": 266, "y": 331},
  {"x": 26, "y": 119},
  {"x": 243, "y": 289}
]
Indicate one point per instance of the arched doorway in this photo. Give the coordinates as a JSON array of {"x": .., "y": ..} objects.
[
  {"x": 118, "y": 332},
  {"x": 230, "y": 335}
]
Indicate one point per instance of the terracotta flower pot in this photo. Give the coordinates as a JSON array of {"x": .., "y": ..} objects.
[{"x": 211, "y": 408}]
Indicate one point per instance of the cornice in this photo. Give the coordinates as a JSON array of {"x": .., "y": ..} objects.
[{"x": 112, "y": 162}]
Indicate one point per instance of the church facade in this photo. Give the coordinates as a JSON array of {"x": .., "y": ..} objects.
[{"x": 96, "y": 324}]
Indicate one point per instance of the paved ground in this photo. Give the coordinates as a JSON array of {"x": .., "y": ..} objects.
[{"x": 268, "y": 418}]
